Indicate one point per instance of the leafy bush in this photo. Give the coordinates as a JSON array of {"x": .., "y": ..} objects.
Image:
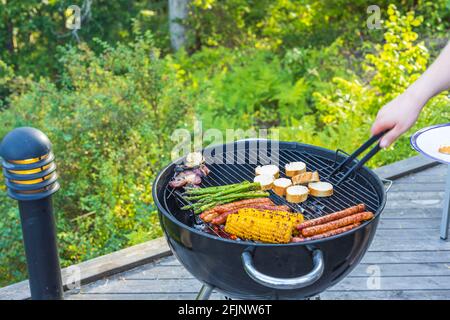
[
  {"x": 110, "y": 124},
  {"x": 245, "y": 89},
  {"x": 280, "y": 25},
  {"x": 32, "y": 30}
]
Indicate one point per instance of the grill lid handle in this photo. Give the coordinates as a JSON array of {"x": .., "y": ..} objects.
[
  {"x": 284, "y": 283},
  {"x": 388, "y": 184}
]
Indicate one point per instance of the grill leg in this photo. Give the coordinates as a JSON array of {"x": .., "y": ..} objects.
[
  {"x": 446, "y": 213},
  {"x": 205, "y": 292}
]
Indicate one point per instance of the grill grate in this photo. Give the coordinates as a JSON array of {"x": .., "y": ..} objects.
[{"x": 351, "y": 192}]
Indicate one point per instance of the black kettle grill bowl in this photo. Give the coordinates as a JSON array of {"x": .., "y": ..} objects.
[{"x": 218, "y": 262}]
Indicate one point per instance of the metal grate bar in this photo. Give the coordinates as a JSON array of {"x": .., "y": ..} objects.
[
  {"x": 332, "y": 203},
  {"x": 366, "y": 194},
  {"x": 349, "y": 193},
  {"x": 320, "y": 202},
  {"x": 249, "y": 173},
  {"x": 339, "y": 175},
  {"x": 309, "y": 211},
  {"x": 322, "y": 168}
]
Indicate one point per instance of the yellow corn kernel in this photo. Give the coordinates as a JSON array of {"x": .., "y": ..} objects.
[
  {"x": 272, "y": 214},
  {"x": 272, "y": 230}
]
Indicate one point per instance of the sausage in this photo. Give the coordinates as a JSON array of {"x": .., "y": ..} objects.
[
  {"x": 221, "y": 219},
  {"x": 335, "y": 224},
  {"x": 237, "y": 204},
  {"x": 328, "y": 233},
  {"x": 210, "y": 217},
  {"x": 332, "y": 216},
  {"x": 207, "y": 212},
  {"x": 297, "y": 239},
  {"x": 242, "y": 203}
]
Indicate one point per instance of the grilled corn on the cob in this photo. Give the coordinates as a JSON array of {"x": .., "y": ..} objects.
[
  {"x": 272, "y": 214},
  {"x": 261, "y": 225}
]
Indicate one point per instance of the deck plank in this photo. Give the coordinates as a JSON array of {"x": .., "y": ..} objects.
[
  {"x": 410, "y": 260},
  {"x": 387, "y": 295},
  {"x": 140, "y": 296},
  {"x": 416, "y": 195},
  {"x": 416, "y": 223},
  {"x": 362, "y": 270},
  {"x": 395, "y": 283},
  {"x": 423, "y": 186},
  {"x": 411, "y": 214}
]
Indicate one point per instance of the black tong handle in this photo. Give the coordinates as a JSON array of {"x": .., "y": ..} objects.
[{"x": 358, "y": 151}]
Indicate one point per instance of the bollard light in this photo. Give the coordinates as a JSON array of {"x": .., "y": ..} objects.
[{"x": 31, "y": 179}]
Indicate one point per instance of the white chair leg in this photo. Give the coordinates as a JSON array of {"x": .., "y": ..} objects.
[{"x": 446, "y": 212}]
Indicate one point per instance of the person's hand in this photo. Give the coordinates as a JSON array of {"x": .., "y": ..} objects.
[
  {"x": 401, "y": 113},
  {"x": 398, "y": 115}
]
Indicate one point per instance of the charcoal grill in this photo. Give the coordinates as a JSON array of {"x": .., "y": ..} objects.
[{"x": 250, "y": 270}]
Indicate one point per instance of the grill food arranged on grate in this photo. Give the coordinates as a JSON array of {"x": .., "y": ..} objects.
[{"x": 254, "y": 211}]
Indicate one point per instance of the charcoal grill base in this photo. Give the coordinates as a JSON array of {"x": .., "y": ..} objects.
[{"x": 217, "y": 262}]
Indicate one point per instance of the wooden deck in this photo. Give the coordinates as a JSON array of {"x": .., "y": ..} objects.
[{"x": 408, "y": 255}]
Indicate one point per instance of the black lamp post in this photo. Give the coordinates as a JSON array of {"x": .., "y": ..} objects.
[{"x": 31, "y": 178}]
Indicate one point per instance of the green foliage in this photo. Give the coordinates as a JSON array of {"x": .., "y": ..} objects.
[
  {"x": 207, "y": 30},
  {"x": 32, "y": 30},
  {"x": 245, "y": 89},
  {"x": 110, "y": 123},
  {"x": 284, "y": 24}
]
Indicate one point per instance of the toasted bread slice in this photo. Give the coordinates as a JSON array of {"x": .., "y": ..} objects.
[
  {"x": 445, "y": 149},
  {"x": 280, "y": 185},
  {"x": 306, "y": 177},
  {"x": 194, "y": 159},
  {"x": 268, "y": 170},
  {"x": 265, "y": 181},
  {"x": 320, "y": 189},
  {"x": 295, "y": 168},
  {"x": 297, "y": 194}
]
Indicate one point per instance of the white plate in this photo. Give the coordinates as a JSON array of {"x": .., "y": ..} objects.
[{"x": 428, "y": 140}]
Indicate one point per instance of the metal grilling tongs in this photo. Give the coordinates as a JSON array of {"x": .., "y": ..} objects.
[{"x": 355, "y": 154}]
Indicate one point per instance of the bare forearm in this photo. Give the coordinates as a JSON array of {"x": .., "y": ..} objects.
[
  {"x": 400, "y": 114},
  {"x": 434, "y": 80}
]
